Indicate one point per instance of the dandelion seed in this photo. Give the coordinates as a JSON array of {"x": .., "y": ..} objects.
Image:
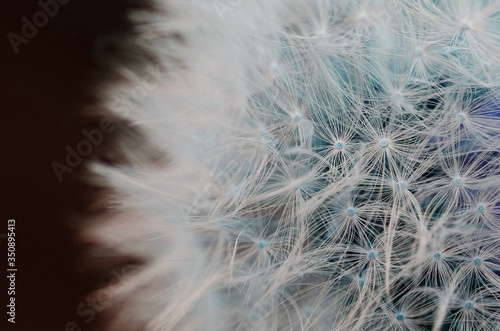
[
  {"x": 477, "y": 261},
  {"x": 458, "y": 182},
  {"x": 481, "y": 208},
  {"x": 383, "y": 143},
  {"x": 398, "y": 96},
  {"x": 400, "y": 317},
  {"x": 401, "y": 186},
  {"x": 468, "y": 305},
  {"x": 297, "y": 117},
  {"x": 350, "y": 211},
  {"x": 372, "y": 255},
  {"x": 461, "y": 117}
]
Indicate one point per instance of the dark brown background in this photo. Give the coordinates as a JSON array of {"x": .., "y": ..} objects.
[{"x": 45, "y": 91}]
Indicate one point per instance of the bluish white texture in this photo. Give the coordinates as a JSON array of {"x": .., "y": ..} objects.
[{"x": 333, "y": 165}]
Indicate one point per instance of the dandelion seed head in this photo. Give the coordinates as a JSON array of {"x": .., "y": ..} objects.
[
  {"x": 351, "y": 211},
  {"x": 461, "y": 117},
  {"x": 458, "y": 182},
  {"x": 315, "y": 110},
  {"x": 401, "y": 186},
  {"x": 477, "y": 261},
  {"x": 468, "y": 305},
  {"x": 297, "y": 117},
  {"x": 383, "y": 143}
]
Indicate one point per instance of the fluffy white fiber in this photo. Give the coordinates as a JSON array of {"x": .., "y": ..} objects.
[{"x": 331, "y": 165}]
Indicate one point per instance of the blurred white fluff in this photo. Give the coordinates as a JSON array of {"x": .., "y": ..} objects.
[{"x": 333, "y": 165}]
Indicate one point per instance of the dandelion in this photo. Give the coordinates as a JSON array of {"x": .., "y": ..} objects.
[{"x": 333, "y": 165}]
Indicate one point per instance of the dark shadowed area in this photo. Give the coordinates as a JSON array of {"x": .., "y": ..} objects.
[{"x": 47, "y": 86}]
